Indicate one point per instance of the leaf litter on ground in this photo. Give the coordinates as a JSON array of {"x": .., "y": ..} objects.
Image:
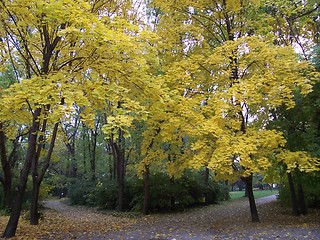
[{"x": 227, "y": 220}]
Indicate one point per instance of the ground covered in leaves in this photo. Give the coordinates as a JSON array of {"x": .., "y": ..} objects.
[{"x": 229, "y": 220}]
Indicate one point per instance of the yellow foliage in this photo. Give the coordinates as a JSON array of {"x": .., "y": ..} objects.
[{"x": 299, "y": 159}]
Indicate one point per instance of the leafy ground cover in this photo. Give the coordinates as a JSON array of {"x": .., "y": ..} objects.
[
  {"x": 257, "y": 194},
  {"x": 227, "y": 220}
]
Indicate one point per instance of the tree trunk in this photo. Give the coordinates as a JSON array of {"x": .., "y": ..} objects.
[
  {"x": 7, "y": 194},
  {"x": 37, "y": 179},
  {"x": 118, "y": 152},
  {"x": 6, "y": 169},
  {"x": 120, "y": 179},
  {"x": 246, "y": 191},
  {"x": 253, "y": 207},
  {"x": 206, "y": 185},
  {"x": 93, "y": 154},
  {"x": 34, "y": 214},
  {"x": 172, "y": 197},
  {"x": 72, "y": 167},
  {"x": 147, "y": 197},
  {"x": 11, "y": 227},
  {"x": 302, "y": 203},
  {"x": 293, "y": 198}
]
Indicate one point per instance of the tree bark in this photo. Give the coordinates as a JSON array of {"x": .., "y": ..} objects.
[
  {"x": 93, "y": 153},
  {"x": 253, "y": 207},
  {"x": 6, "y": 168},
  {"x": 172, "y": 197},
  {"x": 119, "y": 159},
  {"x": 301, "y": 198},
  {"x": 37, "y": 179},
  {"x": 11, "y": 227},
  {"x": 206, "y": 185},
  {"x": 302, "y": 204},
  {"x": 34, "y": 213},
  {"x": 120, "y": 178},
  {"x": 293, "y": 198},
  {"x": 147, "y": 197}
]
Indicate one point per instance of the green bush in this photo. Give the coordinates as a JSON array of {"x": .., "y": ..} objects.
[
  {"x": 106, "y": 195},
  {"x": 81, "y": 192},
  {"x": 134, "y": 193},
  {"x": 166, "y": 193},
  {"x": 311, "y": 186},
  {"x": 284, "y": 196}
]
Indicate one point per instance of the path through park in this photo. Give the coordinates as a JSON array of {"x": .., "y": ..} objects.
[{"x": 229, "y": 220}]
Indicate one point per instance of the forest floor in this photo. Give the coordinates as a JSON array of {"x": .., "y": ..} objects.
[{"x": 227, "y": 220}]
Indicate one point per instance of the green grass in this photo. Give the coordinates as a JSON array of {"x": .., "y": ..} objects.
[{"x": 257, "y": 194}]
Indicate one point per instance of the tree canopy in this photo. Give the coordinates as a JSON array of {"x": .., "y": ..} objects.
[{"x": 162, "y": 86}]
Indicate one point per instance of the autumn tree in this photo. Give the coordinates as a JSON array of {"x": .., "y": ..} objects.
[
  {"x": 73, "y": 53},
  {"x": 239, "y": 75},
  {"x": 296, "y": 24},
  {"x": 8, "y": 146}
]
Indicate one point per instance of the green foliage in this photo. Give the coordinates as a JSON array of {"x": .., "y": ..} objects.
[
  {"x": 187, "y": 191},
  {"x": 106, "y": 195},
  {"x": 221, "y": 191},
  {"x": 81, "y": 192},
  {"x": 316, "y": 57},
  {"x": 311, "y": 185}
]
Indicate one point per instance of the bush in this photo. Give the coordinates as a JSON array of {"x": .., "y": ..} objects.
[
  {"x": 311, "y": 186},
  {"x": 166, "y": 194},
  {"x": 106, "y": 195},
  {"x": 81, "y": 192}
]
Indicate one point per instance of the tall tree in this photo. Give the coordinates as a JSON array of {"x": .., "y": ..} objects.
[
  {"x": 296, "y": 23},
  {"x": 237, "y": 74},
  {"x": 74, "y": 53}
]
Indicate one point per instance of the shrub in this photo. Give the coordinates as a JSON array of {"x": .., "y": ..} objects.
[
  {"x": 166, "y": 193},
  {"x": 81, "y": 192},
  {"x": 106, "y": 195},
  {"x": 311, "y": 186}
]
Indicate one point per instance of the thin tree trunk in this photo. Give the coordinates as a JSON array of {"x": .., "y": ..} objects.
[
  {"x": 93, "y": 154},
  {"x": 34, "y": 172},
  {"x": 120, "y": 178},
  {"x": 11, "y": 227},
  {"x": 172, "y": 197},
  {"x": 147, "y": 197},
  {"x": 206, "y": 185},
  {"x": 246, "y": 191},
  {"x": 293, "y": 198},
  {"x": 111, "y": 167},
  {"x": 6, "y": 169},
  {"x": 301, "y": 201},
  {"x": 253, "y": 207},
  {"x": 302, "y": 204},
  {"x": 37, "y": 179},
  {"x": 34, "y": 214},
  {"x": 118, "y": 149}
]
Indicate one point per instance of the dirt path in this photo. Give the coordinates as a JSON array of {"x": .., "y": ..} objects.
[
  {"x": 75, "y": 212},
  {"x": 229, "y": 220}
]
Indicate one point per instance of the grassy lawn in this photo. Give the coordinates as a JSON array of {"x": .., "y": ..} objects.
[{"x": 257, "y": 194}]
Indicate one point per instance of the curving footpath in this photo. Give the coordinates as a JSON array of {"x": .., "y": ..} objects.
[{"x": 228, "y": 220}]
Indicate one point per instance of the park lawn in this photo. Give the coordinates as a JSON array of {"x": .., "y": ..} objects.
[{"x": 257, "y": 194}]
